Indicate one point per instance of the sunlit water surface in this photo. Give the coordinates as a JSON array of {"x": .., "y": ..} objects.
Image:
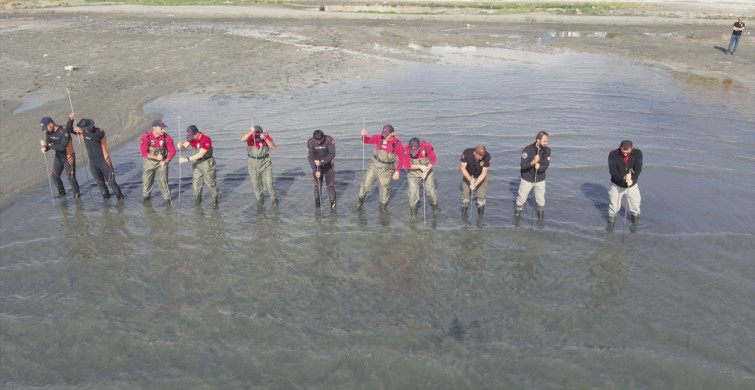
[{"x": 106, "y": 295}]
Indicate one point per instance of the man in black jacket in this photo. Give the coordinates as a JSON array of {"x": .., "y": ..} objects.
[
  {"x": 536, "y": 158},
  {"x": 58, "y": 138},
  {"x": 321, "y": 153},
  {"x": 625, "y": 166}
]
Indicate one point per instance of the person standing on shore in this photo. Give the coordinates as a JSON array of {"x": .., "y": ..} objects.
[
  {"x": 321, "y": 150},
  {"x": 260, "y": 166},
  {"x": 99, "y": 157},
  {"x": 625, "y": 166},
  {"x": 536, "y": 158},
  {"x": 420, "y": 159},
  {"x": 203, "y": 164},
  {"x": 58, "y": 139},
  {"x": 475, "y": 163},
  {"x": 736, "y": 34},
  {"x": 157, "y": 151},
  {"x": 385, "y": 165}
]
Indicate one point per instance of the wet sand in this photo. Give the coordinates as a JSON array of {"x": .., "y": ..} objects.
[{"x": 128, "y": 55}]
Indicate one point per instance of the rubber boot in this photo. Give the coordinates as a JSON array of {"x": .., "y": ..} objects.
[
  {"x": 464, "y": 209},
  {"x": 197, "y": 200},
  {"x": 413, "y": 210},
  {"x": 103, "y": 190},
  {"x": 274, "y": 201},
  {"x": 436, "y": 208},
  {"x": 360, "y": 202},
  {"x": 383, "y": 207},
  {"x": 635, "y": 218},
  {"x": 518, "y": 211},
  {"x": 332, "y": 196},
  {"x": 480, "y": 211},
  {"x": 215, "y": 200},
  {"x": 541, "y": 213},
  {"x": 117, "y": 190},
  {"x": 611, "y": 221},
  {"x": 75, "y": 188}
]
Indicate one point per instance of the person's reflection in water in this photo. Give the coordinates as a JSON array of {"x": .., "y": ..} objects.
[
  {"x": 76, "y": 229},
  {"x": 522, "y": 264},
  {"x": 162, "y": 227},
  {"x": 402, "y": 268},
  {"x": 607, "y": 270}
]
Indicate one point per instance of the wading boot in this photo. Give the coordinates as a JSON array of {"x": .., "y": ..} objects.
[
  {"x": 360, "y": 202},
  {"x": 215, "y": 201},
  {"x": 480, "y": 211},
  {"x": 383, "y": 207},
  {"x": 541, "y": 213},
  {"x": 635, "y": 223},
  {"x": 611, "y": 222},
  {"x": 413, "y": 210},
  {"x": 436, "y": 208},
  {"x": 465, "y": 209},
  {"x": 518, "y": 211},
  {"x": 197, "y": 200},
  {"x": 103, "y": 190},
  {"x": 332, "y": 197}
]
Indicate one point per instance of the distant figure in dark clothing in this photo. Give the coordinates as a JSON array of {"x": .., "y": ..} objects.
[{"x": 736, "y": 34}]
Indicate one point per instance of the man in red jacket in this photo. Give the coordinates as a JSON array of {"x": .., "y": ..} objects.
[{"x": 157, "y": 150}]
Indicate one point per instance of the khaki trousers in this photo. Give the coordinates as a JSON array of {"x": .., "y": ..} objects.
[
  {"x": 150, "y": 169},
  {"x": 615, "y": 193}
]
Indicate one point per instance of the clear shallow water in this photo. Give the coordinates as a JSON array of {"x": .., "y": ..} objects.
[{"x": 122, "y": 296}]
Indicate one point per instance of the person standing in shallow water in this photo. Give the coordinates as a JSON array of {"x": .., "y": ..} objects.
[
  {"x": 99, "y": 157},
  {"x": 385, "y": 165},
  {"x": 203, "y": 163},
  {"x": 625, "y": 166},
  {"x": 157, "y": 150},
  {"x": 736, "y": 35},
  {"x": 58, "y": 139},
  {"x": 420, "y": 159},
  {"x": 475, "y": 163},
  {"x": 321, "y": 152},
  {"x": 260, "y": 166},
  {"x": 536, "y": 158}
]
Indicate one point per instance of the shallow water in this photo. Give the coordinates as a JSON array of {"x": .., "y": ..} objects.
[{"x": 131, "y": 295}]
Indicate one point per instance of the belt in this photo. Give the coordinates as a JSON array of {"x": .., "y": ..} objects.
[
  {"x": 384, "y": 162},
  {"x": 259, "y": 158},
  {"x": 203, "y": 158}
]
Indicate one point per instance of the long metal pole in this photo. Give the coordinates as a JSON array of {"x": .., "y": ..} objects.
[
  {"x": 70, "y": 102},
  {"x": 47, "y": 172},
  {"x": 179, "y": 168}
]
